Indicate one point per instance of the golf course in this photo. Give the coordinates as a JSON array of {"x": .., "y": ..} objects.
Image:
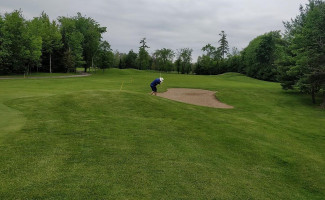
[{"x": 104, "y": 136}]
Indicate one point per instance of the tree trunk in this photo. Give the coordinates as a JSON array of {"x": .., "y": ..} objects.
[
  {"x": 50, "y": 63},
  {"x": 313, "y": 96},
  {"x": 92, "y": 64},
  {"x": 323, "y": 104}
]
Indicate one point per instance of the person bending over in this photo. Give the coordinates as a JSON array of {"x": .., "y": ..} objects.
[{"x": 154, "y": 84}]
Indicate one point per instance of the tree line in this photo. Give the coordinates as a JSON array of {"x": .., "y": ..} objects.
[
  {"x": 164, "y": 59},
  {"x": 43, "y": 45},
  {"x": 68, "y": 43}
]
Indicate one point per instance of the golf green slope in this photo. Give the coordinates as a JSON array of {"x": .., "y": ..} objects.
[{"x": 105, "y": 137}]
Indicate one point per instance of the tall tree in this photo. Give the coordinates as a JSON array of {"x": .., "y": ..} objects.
[
  {"x": 14, "y": 42},
  {"x": 131, "y": 59},
  {"x": 205, "y": 63},
  {"x": 69, "y": 61},
  {"x": 184, "y": 60},
  {"x": 223, "y": 48},
  {"x": 72, "y": 39},
  {"x": 116, "y": 58},
  {"x": 105, "y": 56},
  {"x": 33, "y": 49},
  {"x": 163, "y": 59},
  {"x": 211, "y": 51},
  {"x": 305, "y": 66},
  {"x": 92, "y": 34},
  {"x": 260, "y": 57},
  {"x": 19, "y": 48},
  {"x": 143, "y": 59},
  {"x": 52, "y": 38},
  {"x": 122, "y": 60},
  {"x": 3, "y": 52},
  {"x": 82, "y": 35}
]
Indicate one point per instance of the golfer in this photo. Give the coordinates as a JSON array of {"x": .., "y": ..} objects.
[{"x": 154, "y": 84}]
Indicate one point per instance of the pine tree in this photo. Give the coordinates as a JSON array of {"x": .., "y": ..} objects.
[{"x": 223, "y": 49}]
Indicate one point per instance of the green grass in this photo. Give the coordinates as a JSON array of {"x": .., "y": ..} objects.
[
  {"x": 105, "y": 137},
  {"x": 37, "y": 75}
]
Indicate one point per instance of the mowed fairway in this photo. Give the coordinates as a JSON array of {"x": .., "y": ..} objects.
[{"x": 105, "y": 137}]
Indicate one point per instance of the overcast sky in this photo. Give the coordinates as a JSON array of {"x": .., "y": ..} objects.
[{"x": 170, "y": 24}]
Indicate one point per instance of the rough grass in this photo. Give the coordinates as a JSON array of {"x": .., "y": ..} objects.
[{"x": 105, "y": 137}]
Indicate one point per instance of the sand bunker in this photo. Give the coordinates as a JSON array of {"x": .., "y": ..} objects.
[{"x": 194, "y": 96}]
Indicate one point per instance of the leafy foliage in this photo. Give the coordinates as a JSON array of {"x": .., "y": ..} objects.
[
  {"x": 51, "y": 41},
  {"x": 213, "y": 61},
  {"x": 131, "y": 59},
  {"x": 105, "y": 57},
  {"x": 41, "y": 44},
  {"x": 306, "y": 54},
  {"x": 13, "y": 49},
  {"x": 163, "y": 59},
  {"x": 261, "y": 55},
  {"x": 72, "y": 39},
  {"x": 183, "y": 62}
]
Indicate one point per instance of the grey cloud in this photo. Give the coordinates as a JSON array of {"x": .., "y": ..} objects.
[{"x": 170, "y": 23}]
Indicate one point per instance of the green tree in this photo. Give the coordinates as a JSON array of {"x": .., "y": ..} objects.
[
  {"x": 304, "y": 64},
  {"x": 105, "y": 57},
  {"x": 234, "y": 64},
  {"x": 116, "y": 61},
  {"x": 184, "y": 60},
  {"x": 92, "y": 34},
  {"x": 13, "y": 49},
  {"x": 211, "y": 51},
  {"x": 3, "y": 69},
  {"x": 163, "y": 59},
  {"x": 20, "y": 48},
  {"x": 69, "y": 61},
  {"x": 261, "y": 56},
  {"x": 204, "y": 65},
  {"x": 2, "y": 50},
  {"x": 131, "y": 59},
  {"x": 223, "y": 49},
  {"x": 33, "y": 49},
  {"x": 51, "y": 38},
  {"x": 207, "y": 63},
  {"x": 82, "y": 35},
  {"x": 72, "y": 39},
  {"x": 178, "y": 65},
  {"x": 122, "y": 61},
  {"x": 143, "y": 58},
  {"x": 234, "y": 61}
]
